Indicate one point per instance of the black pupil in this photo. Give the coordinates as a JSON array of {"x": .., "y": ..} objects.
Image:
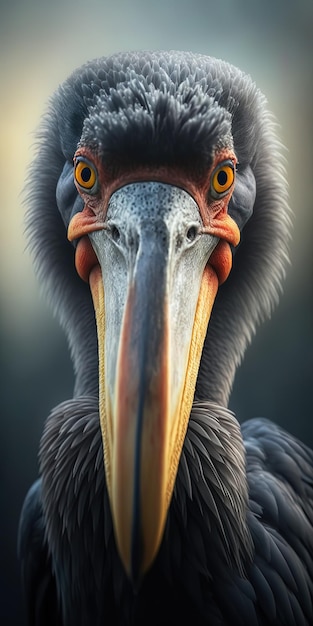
[
  {"x": 222, "y": 178},
  {"x": 86, "y": 174}
]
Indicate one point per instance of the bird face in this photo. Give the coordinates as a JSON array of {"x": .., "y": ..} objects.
[{"x": 154, "y": 247}]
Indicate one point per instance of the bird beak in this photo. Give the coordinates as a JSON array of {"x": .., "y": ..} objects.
[{"x": 153, "y": 286}]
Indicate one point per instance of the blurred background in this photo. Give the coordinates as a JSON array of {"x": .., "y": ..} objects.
[{"x": 41, "y": 42}]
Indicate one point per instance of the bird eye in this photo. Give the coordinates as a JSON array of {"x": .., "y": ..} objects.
[
  {"x": 85, "y": 175},
  {"x": 222, "y": 178}
]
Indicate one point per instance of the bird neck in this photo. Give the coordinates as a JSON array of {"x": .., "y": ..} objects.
[{"x": 212, "y": 481}]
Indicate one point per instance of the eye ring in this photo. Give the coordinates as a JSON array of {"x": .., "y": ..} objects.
[
  {"x": 222, "y": 179},
  {"x": 86, "y": 175}
]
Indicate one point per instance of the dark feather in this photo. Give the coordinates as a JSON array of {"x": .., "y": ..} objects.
[
  {"x": 243, "y": 568},
  {"x": 39, "y": 584}
]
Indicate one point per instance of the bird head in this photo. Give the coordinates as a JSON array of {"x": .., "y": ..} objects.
[{"x": 157, "y": 175}]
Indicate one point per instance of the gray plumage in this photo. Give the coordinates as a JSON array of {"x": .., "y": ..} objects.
[{"x": 238, "y": 542}]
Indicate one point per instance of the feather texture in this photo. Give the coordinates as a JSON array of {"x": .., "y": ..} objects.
[{"x": 238, "y": 542}]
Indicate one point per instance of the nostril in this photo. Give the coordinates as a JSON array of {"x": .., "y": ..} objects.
[
  {"x": 115, "y": 233},
  {"x": 192, "y": 233}
]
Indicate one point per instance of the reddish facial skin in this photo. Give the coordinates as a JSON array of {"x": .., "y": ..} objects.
[{"x": 215, "y": 218}]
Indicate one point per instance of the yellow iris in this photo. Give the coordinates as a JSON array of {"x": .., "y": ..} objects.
[
  {"x": 85, "y": 175},
  {"x": 223, "y": 178}
]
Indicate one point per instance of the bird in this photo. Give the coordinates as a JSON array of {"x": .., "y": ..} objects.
[{"x": 159, "y": 223}]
